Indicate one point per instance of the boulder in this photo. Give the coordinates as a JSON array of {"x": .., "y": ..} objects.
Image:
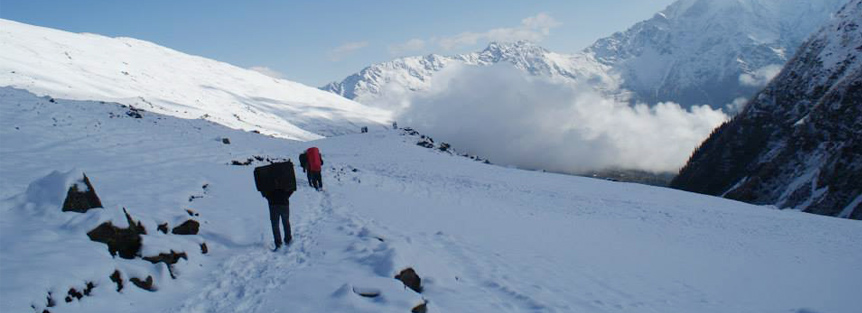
[
  {"x": 81, "y": 197},
  {"x": 189, "y": 227},
  {"x": 123, "y": 241},
  {"x": 410, "y": 279}
]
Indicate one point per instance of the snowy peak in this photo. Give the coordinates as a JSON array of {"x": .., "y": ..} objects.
[
  {"x": 158, "y": 79},
  {"x": 710, "y": 51},
  {"x": 410, "y": 74},
  {"x": 694, "y": 52}
]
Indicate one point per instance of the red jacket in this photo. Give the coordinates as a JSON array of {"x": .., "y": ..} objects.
[{"x": 314, "y": 159}]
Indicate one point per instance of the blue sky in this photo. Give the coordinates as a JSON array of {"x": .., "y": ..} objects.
[{"x": 315, "y": 42}]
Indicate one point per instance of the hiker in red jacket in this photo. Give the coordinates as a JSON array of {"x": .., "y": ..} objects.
[{"x": 315, "y": 163}]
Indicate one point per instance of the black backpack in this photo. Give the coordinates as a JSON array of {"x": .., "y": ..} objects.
[{"x": 276, "y": 176}]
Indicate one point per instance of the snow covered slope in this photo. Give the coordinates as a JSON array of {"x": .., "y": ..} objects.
[
  {"x": 798, "y": 144},
  {"x": 154, "y": 78},
  {"x": 483, "y": 238},
  {"x": 694, "y": 52}
]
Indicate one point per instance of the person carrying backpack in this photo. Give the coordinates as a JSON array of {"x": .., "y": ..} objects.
[
  {"x": 315, "y": 164},
  {"x": 277, "y": 182},
  {"x": 303, "y": 162}
]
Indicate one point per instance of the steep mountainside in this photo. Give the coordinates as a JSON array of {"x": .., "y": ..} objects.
[
  {"x": 154, "y": 78},
  {"x": 798, "y": 144},
  {"x": 695, "y": 52}
]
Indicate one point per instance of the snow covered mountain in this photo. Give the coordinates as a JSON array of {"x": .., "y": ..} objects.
[
  {"x": 398, "y": 76},
  {"x": 482, "y": 238},
  {"x": 157, "y": 79},
  {"x": 798, "y": 144},
  {"x": 694, "y": 52},
  {"x": 711, "y": 51}
]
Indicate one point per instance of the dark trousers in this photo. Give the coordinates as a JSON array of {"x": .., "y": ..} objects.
[
  {"x": 276, "y": 212},
  {"x": 310, "y": 178},
  {"x": 316, "y": 179}
]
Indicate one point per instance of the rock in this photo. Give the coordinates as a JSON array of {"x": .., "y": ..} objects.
[
  {"x": 410, "y": 279},
  {"x": 118, "y": 279},
  {"x": 367, "y": 292},
  {"x": 144, "y": 284},
  {"x": 225, "y": 141},
  {"x": 81, "y": 200},
  {"x": 168, "y": 258},
  {"x": 204, "y": 249},
  {"x": 190, "y": 227},
  {"x": 420, "y": 308},
  {"x": 123, "y": 241},
  {"x": 163, "y": 228}
]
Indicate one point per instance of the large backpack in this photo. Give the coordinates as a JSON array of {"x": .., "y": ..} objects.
[
  {"x": 314, "y": 160},
  {"x": 275, "y": 176}
]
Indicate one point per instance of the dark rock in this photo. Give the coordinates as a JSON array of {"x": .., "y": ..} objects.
[
  {"x": 73, "y": 294},
  {"x": 420, "y": 308},
  {"x": 189, "y": 227},
  {"x": 168, "y": 258},
  {"x": 242, "y": 163},
  {"x": 204, "y": 249},
  {"x": 225, "y": 141},
  {"x": 444, "y": 147},
  {"x": 134, "y": 113},
  {"x": 81, "y": 200},
  {"x": 192, "y": 213},
  {"x": 144, "y": 284},
  {"x": 118, "y": 279},
  {"x": 123, "y": 241},
  {"x": 51, "y": 302},
  {"x": 163, "y": 228},
  {"x": 89, "y": 288},
  {"x": 425, "y": 144},
  {"x": 410, "y": 279}
]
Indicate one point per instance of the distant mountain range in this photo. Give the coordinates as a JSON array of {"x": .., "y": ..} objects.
[
  {"x": 798, "y": 143},
  {"x": 150, "y": 77},
  {"x": 694, "y": 52}
]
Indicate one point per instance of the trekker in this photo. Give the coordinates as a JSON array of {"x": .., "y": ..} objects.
[
  {"x": 303, "y": 162},
  {"x": 277, "y": 182},
  {"x": 279, "y": 208},
  {"x": 315, "y": 164}
]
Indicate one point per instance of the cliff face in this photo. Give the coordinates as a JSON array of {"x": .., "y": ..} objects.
[{"x": 798, "y": 143}]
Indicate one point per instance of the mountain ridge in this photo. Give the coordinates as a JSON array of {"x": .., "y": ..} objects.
[{"x": 147, "y": 76}]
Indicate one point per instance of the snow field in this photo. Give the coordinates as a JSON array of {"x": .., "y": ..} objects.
[{"x": 482, "y": 237}]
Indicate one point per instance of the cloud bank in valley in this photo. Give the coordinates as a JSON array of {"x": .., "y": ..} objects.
[{"x": 500, "y": 113}]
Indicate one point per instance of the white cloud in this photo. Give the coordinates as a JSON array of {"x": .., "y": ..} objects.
[
  {"x": 267, "y": 71},
  {"x": 534, "y": 28},
  {"x": 761, "y": 76},
  {"x": 345, "y": 50},
  {"x": 737, "y": 105},
  {"x": 406, "y": 47},
  {"x": 531, "y": 122}
]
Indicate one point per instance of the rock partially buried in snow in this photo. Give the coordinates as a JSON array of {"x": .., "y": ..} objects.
[
  {"x": 189, "y": 227},
  {"x": 144, "y": 284},
  {"x": 168, "y": 258},
  {"x": 410, "y": 279},
  {"x": 420, "y": 308},
  {"x": 81, "y": 197},
  {"x": 123, "y": 241},
  {"x": 366, "y": 292}
]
